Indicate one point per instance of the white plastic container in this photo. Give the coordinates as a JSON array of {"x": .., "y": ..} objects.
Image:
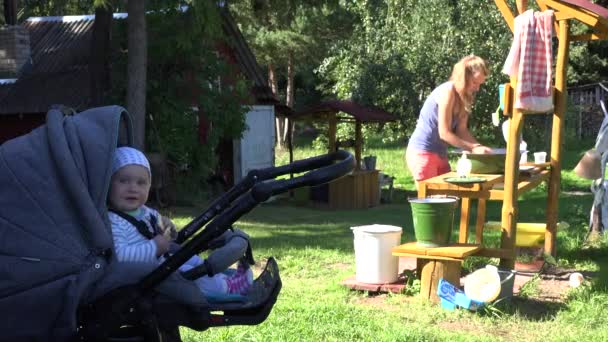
[{"x": 374, "y": 261}]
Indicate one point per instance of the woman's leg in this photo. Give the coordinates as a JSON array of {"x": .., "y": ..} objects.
[{"x": 424, "y": 165}]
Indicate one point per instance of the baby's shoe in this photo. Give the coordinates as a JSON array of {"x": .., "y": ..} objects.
[{"x": 241, "y": 280}]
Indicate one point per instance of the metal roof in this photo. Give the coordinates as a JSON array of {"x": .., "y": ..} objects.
[
  {"x": 58, "y": 72},
  {"x": 359, "y": 112}
]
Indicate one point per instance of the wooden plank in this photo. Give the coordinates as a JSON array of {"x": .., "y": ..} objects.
[
  {"x": 465, "y": 210},
  {"x": 331, "y": 133},
  {"x": 595, "y": 21},
  {"x": 358, "y": 144},
  {"x": 508, "y": 100},
  {"x": 506, "y": 13},
  {"x": 433, "y": 271},
  {"x": 374, "y": 188},
  {"x": 426, "y": 257},
  {"x": 588, "y": 37},
  {"x": 509, "y": 204},
  {"x": 481, "y": 217},
  {"x": 522, "y": 6},
  {"x": 454, "y": 251},
  {"x": 557, "y": 133},
  {"x": 459, "y": 193},
  {"x": 501, "y": 253},
  {"x": 531, "y": 183},
  {"x": 422, "y": 189}
]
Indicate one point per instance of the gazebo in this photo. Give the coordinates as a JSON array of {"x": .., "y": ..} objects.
[{"x": 361, "y": 188}]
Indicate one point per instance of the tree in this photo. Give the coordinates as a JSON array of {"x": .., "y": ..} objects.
[
  {"x": 100, "y": 52},
  {"x": 401, "y": 49},
  {"x": 137, "y": 64},
  {"x": 285, "y": 34}
]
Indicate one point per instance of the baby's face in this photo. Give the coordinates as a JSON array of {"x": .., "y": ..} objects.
[{"x": 129, "y": 188}]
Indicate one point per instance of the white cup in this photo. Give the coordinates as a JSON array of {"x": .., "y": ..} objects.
[{"x": 540, "y": 157}]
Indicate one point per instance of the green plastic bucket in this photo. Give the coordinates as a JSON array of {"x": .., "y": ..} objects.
[{"x": 433, "y": 220}]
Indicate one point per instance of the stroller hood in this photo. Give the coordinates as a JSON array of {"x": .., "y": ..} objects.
[{"x": 55, "y": 238}]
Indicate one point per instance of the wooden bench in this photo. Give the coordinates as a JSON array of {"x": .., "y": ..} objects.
[{"x": 435, "y": 263}]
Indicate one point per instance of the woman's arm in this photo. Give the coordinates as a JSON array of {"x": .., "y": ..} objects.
[
  {"x": 446, "y": 108},
  {"x": 462, "y": 130},
  {"x": 461, "y": 137}
]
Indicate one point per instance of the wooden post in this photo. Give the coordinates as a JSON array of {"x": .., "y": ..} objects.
[
  {"x": 509, "y": 204},
  {"x": 522, "y": 5},
  {"x": 557, "y": 134},
  {"x": 465, "y": 211},
  {"x": 433, "y": 270},
  {"x": 331, "y": 134},
  {"x": 481, "y": 216},
  {"x": 290, "y": 146},
  {"x": 358, "y": 144}
]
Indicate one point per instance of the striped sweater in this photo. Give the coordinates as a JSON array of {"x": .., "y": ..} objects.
[{"x": 129, "y": 244}]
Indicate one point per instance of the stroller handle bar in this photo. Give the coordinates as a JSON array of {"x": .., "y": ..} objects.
[
  {"x": 255, "y": 188},
  {"x": 324, "y": 171}
]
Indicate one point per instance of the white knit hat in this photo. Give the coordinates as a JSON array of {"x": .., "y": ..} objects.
[{"x": 124, "y": 156}]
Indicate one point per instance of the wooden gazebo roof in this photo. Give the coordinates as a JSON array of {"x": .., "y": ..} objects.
[
  {"x": 334, "y": 111},
  {"x": 324, "y": 111}
]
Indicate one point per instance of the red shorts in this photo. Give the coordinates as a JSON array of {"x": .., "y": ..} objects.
[{"x": 424, "y": 165}]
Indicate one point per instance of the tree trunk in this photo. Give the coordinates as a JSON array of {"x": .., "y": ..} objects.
[
  {"x": 272, "y": 80},
  {"x": 137, "y": 62},
  {"x": 290, "y": 92},
  {"x": 100, "y": 48},
  {"x": 279, "y": 125},
  {"x": 10, "y": 12}
]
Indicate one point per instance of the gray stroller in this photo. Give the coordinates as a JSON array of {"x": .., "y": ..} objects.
[{"x": 59, "y": 279}]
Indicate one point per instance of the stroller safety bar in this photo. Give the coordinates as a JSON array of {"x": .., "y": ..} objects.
[{"x": 322, "y": 169}]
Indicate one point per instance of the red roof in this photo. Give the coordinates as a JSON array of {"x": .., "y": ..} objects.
[{"x": 359, "y": 112}]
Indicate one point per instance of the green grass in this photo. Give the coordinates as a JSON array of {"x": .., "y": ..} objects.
[{"x": 314, "y": 250}]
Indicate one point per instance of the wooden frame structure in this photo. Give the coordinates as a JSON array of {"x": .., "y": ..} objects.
[
  {"x": 361, "y": 188},
  {"x": 596, "y": 18}
]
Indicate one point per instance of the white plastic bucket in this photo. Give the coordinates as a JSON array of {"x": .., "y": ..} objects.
[{"x": 374, "y": 261}]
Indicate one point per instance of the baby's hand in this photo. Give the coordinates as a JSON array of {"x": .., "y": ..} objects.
[
  {"x": 168, "y": 228},
  {"x": 162, "y": 245}
]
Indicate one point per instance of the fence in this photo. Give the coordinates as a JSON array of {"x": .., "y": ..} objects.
[{"x": 589, "y": 115}]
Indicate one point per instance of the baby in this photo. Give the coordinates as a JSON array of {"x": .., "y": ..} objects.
[{"x": 141, "y": 234}]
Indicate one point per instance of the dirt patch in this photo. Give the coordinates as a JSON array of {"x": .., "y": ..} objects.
[{"x": 552, "y": 290}]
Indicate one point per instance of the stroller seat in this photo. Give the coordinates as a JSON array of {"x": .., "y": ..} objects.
[{"x": 59, "y": 270}]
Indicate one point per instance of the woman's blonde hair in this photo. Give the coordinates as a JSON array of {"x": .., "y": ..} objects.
[{"x": 462, "y": 73}]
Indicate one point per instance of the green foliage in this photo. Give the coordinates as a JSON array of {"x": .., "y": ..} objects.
[
  {"x": 401, "y": 50},
  {"x": 32, "y": 8},
  {"x": 187, "y": 80}
]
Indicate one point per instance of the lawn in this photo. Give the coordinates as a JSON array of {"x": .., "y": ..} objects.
[{"x": 314, "y": 250}]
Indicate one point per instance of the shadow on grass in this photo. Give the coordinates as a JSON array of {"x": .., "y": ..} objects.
[{"x": 529, "y": 308}]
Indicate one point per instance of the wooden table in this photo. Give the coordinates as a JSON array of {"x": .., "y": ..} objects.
[{"x": 491, "y": 189}]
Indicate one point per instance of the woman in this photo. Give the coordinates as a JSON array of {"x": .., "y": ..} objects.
[{"x": 443, "y": 121}]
